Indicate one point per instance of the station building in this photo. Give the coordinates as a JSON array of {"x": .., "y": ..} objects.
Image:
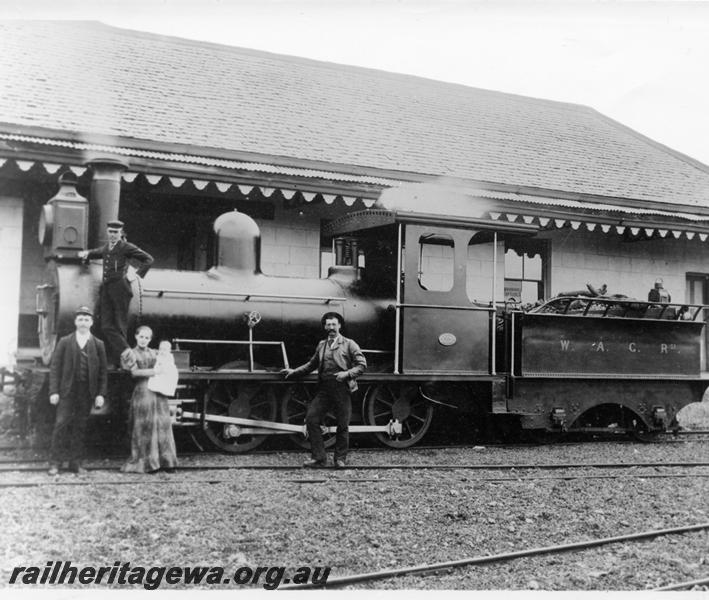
[{"x": 175, "y": 132}]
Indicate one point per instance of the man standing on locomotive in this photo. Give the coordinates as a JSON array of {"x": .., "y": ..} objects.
[
  {"x": 658, "y": 293},
  {"x": 115, "y": 294},
  {"x": 339, "y": 362},
  {"x": 77, "y": 379}
]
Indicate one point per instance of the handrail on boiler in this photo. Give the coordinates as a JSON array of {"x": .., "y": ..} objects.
[{"x": 246, "y": 296}]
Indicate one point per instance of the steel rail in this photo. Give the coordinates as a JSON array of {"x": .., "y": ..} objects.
[
  {"x": 482, "y": 467},
  {"x": 495, "y": 558},
  {"x": 150, "y": 480},
  {"x": 408, "y": 467},
  {"x": 681, "y": 586}
]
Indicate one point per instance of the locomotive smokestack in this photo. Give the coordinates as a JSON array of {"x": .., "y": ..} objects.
[
  {"x": 105, "y": 197},
  {"x": 239, "y": 239}
]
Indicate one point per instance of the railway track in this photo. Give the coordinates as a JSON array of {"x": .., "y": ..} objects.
[
  {"x": 678, "y": 437},
  {"x": 638, "y": 470},
  {"x": 505, "y": 557},
  {"x": 19, "y": 466},
  {"x": 334, "y": 480},
  {"x": 685, "y": 585},
  {"x": 668, "y": 474}
]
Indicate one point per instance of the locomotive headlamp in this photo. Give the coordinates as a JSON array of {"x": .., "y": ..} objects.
[{"x": 63, "y": 222}]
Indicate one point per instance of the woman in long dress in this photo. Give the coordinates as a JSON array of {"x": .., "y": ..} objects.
[{"x": 152, "y": 442}]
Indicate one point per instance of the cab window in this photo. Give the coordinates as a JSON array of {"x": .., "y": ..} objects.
[{"x": 436, "y": 263}]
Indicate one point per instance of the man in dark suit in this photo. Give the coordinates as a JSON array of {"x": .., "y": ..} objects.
[
  {"x": 339, "y": 361},
  {"x": 115, "y": 294},
  {"x": 77, "y": 379}
]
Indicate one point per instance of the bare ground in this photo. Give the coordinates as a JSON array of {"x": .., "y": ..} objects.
[{"x": 359, "y": 521}]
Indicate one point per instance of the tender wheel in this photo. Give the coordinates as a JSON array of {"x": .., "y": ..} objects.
[
  {"x": 293, "y": 408},
  {"x": 245, "y": 400},
  {"x": 388, "y": 402}
]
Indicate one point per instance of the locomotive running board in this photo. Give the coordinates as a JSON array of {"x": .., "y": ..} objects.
[{"x": 393, "y": 428}]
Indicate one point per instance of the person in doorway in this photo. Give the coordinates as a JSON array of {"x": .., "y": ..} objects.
[
  {"x": 115, "y": 293},
  {"x": 77, "y": 381},
  {"x": 659, "y": 293},
  {"x": 339, "y": 361}
]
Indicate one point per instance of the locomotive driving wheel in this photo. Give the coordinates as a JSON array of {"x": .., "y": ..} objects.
[
  {"x": 389, "y": 402},
  {"x": 293, "y": 408},
  {"x": 245, "y": 400}
]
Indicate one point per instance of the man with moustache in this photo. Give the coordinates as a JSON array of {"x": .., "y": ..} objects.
[{"x": 339, "y": 361}]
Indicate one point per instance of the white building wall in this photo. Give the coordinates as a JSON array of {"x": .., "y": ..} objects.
[
  {"x": 11, "y": 210},
  {"x": 290, "y": 246},
  {"x": 628, "y": 268}
]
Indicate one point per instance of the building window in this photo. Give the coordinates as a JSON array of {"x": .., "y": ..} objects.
[
  {"x": 525, "y": 270},
  {"x": 436, "y": 263}
]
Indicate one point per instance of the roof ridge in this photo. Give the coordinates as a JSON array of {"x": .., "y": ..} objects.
[{"x": 693, "y": 162}]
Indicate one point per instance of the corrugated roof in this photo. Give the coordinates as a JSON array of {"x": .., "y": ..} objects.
[
  {"x": 200, "y": 160},
  {"x": 90, "y": 79},
  {"x": 476, "y": 203}
]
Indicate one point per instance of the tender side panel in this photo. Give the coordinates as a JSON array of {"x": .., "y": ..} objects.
[{"x": 549, "y": 345}]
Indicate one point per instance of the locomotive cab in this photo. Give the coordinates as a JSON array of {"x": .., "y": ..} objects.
[{"x": 442, "y": 274}]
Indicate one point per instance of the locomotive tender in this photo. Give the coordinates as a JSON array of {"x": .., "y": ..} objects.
[{"x": 573, "y": 364}]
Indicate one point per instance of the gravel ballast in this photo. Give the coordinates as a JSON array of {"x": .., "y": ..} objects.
[{"x": 358, "y": 520}]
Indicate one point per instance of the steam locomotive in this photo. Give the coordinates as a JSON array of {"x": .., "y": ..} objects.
[{"x": 573, "y": 364}]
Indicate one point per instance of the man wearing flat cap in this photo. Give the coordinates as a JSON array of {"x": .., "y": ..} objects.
[
  {"x": 115, "y": 294},
  {"x": 77, "y": 381}
]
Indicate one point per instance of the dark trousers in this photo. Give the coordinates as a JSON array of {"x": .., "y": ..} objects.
[
  {"x": 335, "y": 396},
  {"x": 114, "y": 302},
  {"x": 70, "y": 425}
]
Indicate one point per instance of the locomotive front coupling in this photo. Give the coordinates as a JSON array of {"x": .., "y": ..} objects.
[
  {"x": 660, "y": 417},
  {"x": 558, "y": 418}
]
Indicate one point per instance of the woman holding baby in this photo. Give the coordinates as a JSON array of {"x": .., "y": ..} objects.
[{"x": 152, "y": 442}]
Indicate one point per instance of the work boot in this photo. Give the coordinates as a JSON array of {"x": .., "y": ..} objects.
[
  {"x": 340, "y": 464},
  {"x": 313, "y": 463},
  {"x": 53, "y": 470}
]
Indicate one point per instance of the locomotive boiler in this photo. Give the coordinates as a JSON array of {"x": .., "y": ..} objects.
[{"x": 607, "y": 364}]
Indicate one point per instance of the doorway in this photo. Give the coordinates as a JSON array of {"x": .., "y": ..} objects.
[{"x": 698, "y": 293}]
